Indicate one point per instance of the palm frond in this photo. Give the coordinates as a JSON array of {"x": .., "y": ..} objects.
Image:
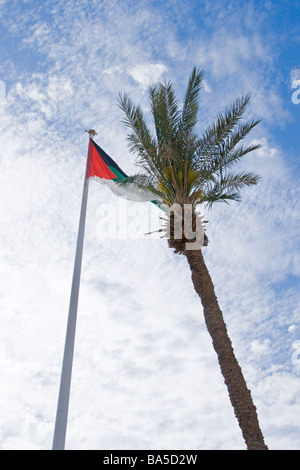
[
  {"x": 228, "y": 187},
  {"x": 165, "y": 111},
  {"x": 140, "y": 140},
  {"x": 238, "y": 134},
  {"x": 191, "y": 104},
  {"x": 213, "y": 136},
  {"x": 226, "y": 158}
]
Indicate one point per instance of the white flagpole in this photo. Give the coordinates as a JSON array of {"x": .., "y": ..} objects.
[{"x": 66, "y": 373}]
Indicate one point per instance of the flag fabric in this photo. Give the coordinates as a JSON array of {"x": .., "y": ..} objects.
[{"x": 102, "y": 168}]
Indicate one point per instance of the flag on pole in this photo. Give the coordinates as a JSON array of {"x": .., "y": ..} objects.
[{"x": 102, "y": 168}]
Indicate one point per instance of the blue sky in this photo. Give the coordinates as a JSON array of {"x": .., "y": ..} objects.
[{"x": 145, "y": 375}]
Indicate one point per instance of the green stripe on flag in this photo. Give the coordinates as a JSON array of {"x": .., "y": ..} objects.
[{"x": 119, "y": 175}]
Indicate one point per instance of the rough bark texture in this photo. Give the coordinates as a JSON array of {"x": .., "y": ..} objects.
[{"x": 240, "y": 396}]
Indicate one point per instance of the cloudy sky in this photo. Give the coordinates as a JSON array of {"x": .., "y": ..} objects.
[{"x": 145, "y": 374}]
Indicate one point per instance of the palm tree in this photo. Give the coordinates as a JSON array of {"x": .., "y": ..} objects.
[{"x": 186, "y": 170}]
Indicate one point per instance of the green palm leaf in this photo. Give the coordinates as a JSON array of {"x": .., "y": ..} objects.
[
  {"x": 228, "y": 187},
  {"x": 224, "y": 128},
  {"x": 140, "y": 139},
  {"x": 191, "y": 102}
]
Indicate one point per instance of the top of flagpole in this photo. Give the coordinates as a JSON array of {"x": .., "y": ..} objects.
[{"x": 91, "y": 133}]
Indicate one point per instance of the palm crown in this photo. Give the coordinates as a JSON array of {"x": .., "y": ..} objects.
[{"x": 177, "y": 165}]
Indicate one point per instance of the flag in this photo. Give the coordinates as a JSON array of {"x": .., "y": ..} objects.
[{"x": 102, "y": 168}]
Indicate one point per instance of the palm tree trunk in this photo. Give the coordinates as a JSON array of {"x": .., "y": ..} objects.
[{"x": 239, "y": 395}]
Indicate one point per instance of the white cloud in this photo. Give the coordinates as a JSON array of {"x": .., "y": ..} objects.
[
  {"x": 259, "y": 347},
  {"x": 147, "y": 74},
  {"x": 206, "y": 87},
  {"x": 292, "y": 328}
]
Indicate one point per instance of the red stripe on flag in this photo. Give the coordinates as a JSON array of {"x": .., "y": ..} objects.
[{"x": 96, "y": 166}]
